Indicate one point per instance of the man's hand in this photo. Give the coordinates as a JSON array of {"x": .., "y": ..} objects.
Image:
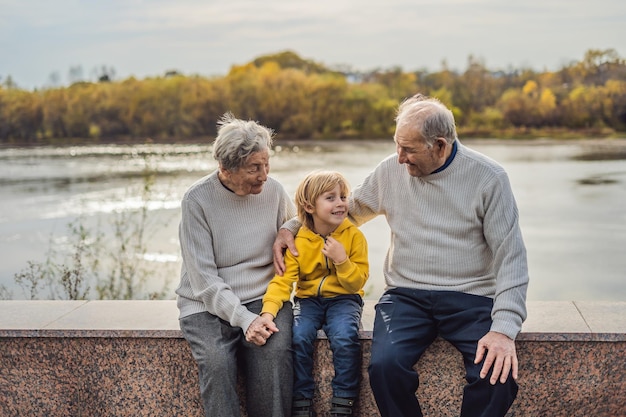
[
  {"x": 261, "y": 329},
  {"x": 501, "y": 355},
  {"x": 284, "y": 240}
]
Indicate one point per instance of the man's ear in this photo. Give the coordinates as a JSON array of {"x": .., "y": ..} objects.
[{"x": 441, "y": 145}]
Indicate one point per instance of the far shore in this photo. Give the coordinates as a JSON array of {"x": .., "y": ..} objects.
[{"x": 539, "y": 137}]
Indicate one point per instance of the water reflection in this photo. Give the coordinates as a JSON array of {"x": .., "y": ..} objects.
[{"x": 571, "y": 197}]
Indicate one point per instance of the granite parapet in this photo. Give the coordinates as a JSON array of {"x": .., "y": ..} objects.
[{"x": 128, "y": 358}]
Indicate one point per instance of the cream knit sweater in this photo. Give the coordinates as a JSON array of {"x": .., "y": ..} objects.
[
  {"x": 226, "y": 244},
  {"x": 455, "y": 230}
]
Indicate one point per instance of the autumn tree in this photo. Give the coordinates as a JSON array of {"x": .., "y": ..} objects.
[
  {"x": 289, "y": 59},
  {"x": 21, "y": 115},
  {"x": 302, "y": 99}
]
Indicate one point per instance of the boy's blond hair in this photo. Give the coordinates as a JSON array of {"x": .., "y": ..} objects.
[{"x": 312, "y": 186}]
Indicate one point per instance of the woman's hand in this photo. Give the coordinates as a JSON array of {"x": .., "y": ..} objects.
[{"x": 261, "y": 329}]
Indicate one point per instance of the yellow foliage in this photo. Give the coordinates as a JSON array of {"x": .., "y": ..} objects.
[
  {"x": 616, "y": 87},
  {"x": 299, "y": 98},
  {"x": 548, "y": 80},
  {"x": 547, "y": 101},
  {"x": 236, "y": 70},
  {"x": 577, "y": 93},
  {"x": 530, "y": 88}
]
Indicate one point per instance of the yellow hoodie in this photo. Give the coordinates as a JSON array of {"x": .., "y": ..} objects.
[{"x": 314, "y": 274}]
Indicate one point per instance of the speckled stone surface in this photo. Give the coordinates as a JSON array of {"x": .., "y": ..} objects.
[
  {"x": 98, "y": 377},
  {"x": 128, "y": 358}
]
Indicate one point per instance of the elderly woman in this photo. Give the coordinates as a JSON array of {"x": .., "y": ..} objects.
[{"x": 229, "y": 221}]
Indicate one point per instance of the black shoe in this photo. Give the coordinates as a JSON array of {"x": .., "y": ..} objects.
[
  {"x": 302, "y": 407},
  {"x": 341, "y": 407}
]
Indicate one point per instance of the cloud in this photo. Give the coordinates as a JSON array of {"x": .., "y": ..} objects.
[{"x": 147, "y": 37}]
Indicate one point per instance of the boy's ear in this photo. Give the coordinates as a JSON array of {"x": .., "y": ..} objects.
[{"x": 309, "y": 208}]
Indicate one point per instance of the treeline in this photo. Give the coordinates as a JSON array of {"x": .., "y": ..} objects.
[{"x": 302, "y": 99}]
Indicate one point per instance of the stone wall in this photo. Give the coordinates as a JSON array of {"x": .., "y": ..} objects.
[{"x": 128, "y": 358}]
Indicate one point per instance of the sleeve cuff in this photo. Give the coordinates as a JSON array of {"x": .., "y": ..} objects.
[
  {"x": 508, "y": 328},
  {"x": 271, "y": 307}
]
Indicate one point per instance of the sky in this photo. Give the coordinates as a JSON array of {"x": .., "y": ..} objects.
[{"x": 53, "y": 42}]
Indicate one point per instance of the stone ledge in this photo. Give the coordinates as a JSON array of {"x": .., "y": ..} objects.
[
  {"x": 128, "y": 358},
  {"x": 160, "y": 319},
  {"x": 547, "y": 320}
]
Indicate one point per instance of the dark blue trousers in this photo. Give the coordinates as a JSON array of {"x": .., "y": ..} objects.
[
  {"x": 339, "y": 317},
  {"x": 407, "y": 322}
]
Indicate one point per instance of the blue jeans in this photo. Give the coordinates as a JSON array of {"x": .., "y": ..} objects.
[
  {"x": 407, "y": 322},
  {"x": 340, "y": 318},
  {"x": 220, "y": 350}
]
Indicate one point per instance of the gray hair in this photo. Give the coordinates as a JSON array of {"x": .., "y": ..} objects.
[
  {"x": 432, "y": 118},
  {"x": 238, "y": 139}
]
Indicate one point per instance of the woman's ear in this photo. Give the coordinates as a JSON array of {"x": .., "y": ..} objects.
[{"x": 223, "y": 171}]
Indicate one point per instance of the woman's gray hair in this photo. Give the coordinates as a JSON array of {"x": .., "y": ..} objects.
[
  {"x": 238, "y": 139},
  {"x": 432, "y": 118}
]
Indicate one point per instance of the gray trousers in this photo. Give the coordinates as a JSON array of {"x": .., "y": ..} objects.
[{"x": 220, "y": 349}]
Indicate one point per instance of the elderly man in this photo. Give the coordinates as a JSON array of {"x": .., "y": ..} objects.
[{"x": 456, "y": 266}]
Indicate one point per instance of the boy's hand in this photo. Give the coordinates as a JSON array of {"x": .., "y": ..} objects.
[{"x": 334, "y": 250}]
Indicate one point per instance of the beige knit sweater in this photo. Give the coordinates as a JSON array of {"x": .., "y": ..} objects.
[
  {"x": 455, "y": 230},
  {"x": 226, "y": 245}
]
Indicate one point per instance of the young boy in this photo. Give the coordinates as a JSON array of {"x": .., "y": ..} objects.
[{"x": 329, "y": 273}]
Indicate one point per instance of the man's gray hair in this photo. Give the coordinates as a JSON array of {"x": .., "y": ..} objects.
[
  {"x": 432, "y": 118},
  {"x": 238, "y": 139}
]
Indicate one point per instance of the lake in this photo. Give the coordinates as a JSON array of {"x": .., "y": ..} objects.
[{"x": 571, "y": 197}]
